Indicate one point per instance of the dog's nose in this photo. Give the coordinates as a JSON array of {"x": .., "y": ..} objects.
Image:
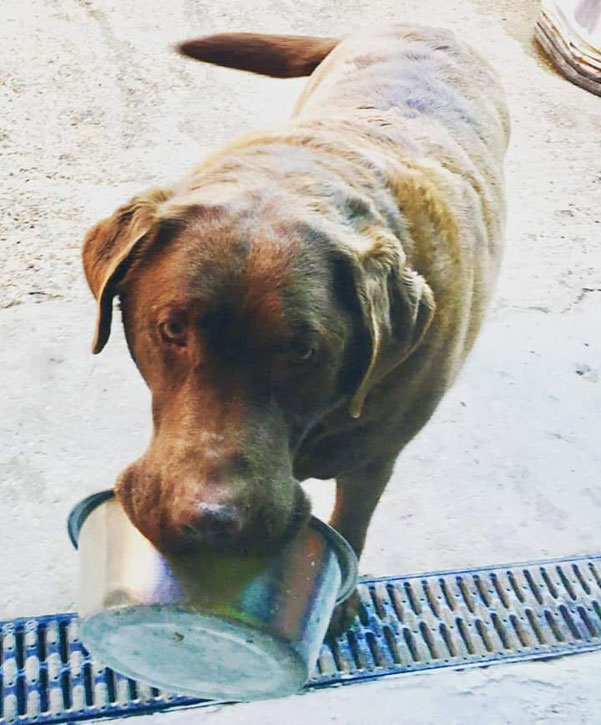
[{"x": 213, "y": 523}]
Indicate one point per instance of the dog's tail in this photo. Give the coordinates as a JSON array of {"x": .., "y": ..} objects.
[{"x": 279, "y": 56}]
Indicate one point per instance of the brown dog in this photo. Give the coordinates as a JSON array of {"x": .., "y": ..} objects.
[{"x": 301, "y": 302}]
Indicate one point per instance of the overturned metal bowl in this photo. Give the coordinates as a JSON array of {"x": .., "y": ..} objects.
[{"x": 207, "y": 625}]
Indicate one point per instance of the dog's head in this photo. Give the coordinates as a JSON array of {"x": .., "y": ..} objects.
[{"x": 249, "y": 326}]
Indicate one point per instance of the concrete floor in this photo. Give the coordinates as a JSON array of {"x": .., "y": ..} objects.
[{"x": 95, "y": 108}]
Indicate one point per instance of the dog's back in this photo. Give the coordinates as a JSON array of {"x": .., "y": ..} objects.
[
  {"x": 432, "y": 114},
  {"x": 414, "y": 123}
]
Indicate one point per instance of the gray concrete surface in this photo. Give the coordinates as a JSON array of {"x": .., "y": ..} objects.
[{"x": 95, "y": 108}]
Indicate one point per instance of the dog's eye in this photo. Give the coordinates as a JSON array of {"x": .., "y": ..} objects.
[
  {"x": 301, "y": 352},
  {"x": 173, "y": 331}
]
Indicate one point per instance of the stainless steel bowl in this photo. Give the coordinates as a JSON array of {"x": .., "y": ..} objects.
[{"x": 207, "y": 625}]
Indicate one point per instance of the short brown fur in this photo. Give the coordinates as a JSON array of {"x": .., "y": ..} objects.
[{"x": 300, "y": 303}]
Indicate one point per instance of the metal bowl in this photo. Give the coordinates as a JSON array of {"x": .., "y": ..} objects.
[{"x": 207, "y": 625}]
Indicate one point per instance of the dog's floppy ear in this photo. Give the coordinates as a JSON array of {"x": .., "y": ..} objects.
[
  {"x": 108, "y": 249},
  {"x": 397, "y": 307}
]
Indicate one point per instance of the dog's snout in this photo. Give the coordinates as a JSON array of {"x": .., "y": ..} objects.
[
  {"x": 185, "y": 502},
  {"x": 212, "y": 523}
]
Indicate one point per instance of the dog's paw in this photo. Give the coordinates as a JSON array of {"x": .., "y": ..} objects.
[{"x": 344, "y": 615}]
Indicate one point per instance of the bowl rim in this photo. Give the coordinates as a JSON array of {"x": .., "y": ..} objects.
[{"x": 347, "y": 559}]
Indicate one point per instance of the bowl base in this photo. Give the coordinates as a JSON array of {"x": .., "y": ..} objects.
[{"x": 187, "y": 653}]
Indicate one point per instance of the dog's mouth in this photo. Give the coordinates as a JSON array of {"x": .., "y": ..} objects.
[
  {"x": 300, "y": 515},
  {"x": 265, "y": 530},
  {"x": 267, "y": 536}
]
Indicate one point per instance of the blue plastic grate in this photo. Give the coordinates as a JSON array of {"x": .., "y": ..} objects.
[{"x": 406, "y": 624}]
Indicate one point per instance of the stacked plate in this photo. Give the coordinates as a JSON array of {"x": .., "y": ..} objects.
[{"x": 570, "y": 32}]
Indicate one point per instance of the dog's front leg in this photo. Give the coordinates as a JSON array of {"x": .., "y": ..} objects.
[{"x": 357, "y": 495}]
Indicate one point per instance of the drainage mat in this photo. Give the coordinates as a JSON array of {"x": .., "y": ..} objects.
[{"x": 406, "y": 624}]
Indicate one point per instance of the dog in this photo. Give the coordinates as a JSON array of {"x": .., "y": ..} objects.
[{"x": 299, "y": 304}]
